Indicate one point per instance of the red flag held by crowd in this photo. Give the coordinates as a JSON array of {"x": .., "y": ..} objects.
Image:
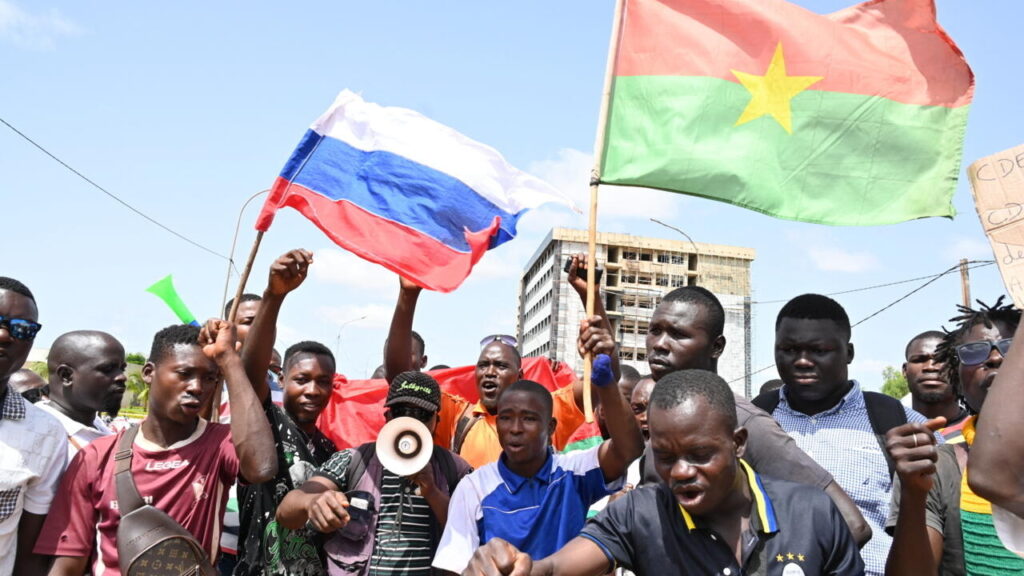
[{"x": 355, "y": 413}]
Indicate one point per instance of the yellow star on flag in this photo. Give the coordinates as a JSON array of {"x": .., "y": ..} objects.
[
  {"x": 800, "y": 557},
  {"x": 771, "y": 93},
  {"x": 790, "y": 556},
  {"x": 779, "y": 558}
]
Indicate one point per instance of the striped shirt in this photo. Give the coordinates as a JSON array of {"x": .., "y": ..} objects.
[{"x": 403, "y": 539}]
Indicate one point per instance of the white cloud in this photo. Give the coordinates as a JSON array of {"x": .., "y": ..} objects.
[
  {"x": 570, "y": 172},
  {"x": 969, "y": 247},
  {"x": 335, "y": 266},
  {"x": 351, "y": 317},
  {"x": 839, "y": 260},
  {"x": 34, "y": 31}
]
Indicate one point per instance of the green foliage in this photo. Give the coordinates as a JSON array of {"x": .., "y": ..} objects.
[
  {"x": 893, "y": 383},
  {"x": 138, "y": 390},
  {"x": 39, "y": 368},
  {"x": 135, "y": 358}
]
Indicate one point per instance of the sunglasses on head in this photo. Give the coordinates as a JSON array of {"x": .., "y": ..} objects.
[
  {"x": 410, "y": 411},
  {"x": 974, "y": 353},
  {"x": 19, "y": 328},
  {"x": 503, "y": 338}
]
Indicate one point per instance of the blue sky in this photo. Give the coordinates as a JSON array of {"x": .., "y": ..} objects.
[{"x": 186, "y": 110}]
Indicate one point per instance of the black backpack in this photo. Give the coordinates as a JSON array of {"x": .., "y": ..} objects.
[{"x": 884, "y": 413}]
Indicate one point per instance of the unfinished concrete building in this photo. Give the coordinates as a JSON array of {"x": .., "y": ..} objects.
[{"x": 638, "y": 271}]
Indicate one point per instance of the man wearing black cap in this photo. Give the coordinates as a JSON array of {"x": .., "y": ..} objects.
[{"x": 377, "y": 519}]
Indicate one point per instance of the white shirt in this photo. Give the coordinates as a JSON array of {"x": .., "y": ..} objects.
[
  {"x": 32, "y": 459},
  {"x": 1010, "y": 529},
  {"x": 79, "y": 435}
]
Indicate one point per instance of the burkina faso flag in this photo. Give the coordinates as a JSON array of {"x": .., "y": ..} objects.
[{"x": 851, "y": 118}]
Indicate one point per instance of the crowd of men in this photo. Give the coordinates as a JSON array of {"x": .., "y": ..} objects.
[{"x": 815, "y": 475}]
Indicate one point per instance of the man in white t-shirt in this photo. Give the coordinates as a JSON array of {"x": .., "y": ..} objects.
[{"x": 86, "y": 377}]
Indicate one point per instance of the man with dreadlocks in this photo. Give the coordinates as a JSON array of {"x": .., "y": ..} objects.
[
  {"x": 939, "y": 525},
  {"x": 997, "y": 456}
]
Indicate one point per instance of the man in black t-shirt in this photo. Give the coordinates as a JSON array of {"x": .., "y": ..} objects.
[
  {"x": 711, "y": 513},
  {"x": 265, "y": 547}
]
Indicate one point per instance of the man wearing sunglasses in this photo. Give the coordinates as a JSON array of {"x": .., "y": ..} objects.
[
  {"x": 469, "y": 429},
  {"x": 396, "y": 522},
  {"x": 940, "y": 525},
  {"x": 33, "y": 447}
]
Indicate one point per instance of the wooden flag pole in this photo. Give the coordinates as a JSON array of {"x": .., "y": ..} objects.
[
  {"x": 215, "y": 405},
  {"x": 595, "y": 179}
]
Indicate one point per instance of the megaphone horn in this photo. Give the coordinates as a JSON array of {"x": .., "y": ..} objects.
[{"x": 404, "y": 446}]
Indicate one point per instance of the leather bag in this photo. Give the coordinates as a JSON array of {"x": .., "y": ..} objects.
[{"x": 149, "y": 542}]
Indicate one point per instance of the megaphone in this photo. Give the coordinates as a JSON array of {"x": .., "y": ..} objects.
[{"x": 404, "y": 446}]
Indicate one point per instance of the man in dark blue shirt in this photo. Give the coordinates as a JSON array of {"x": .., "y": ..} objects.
[{"x": 711, "y": 514}]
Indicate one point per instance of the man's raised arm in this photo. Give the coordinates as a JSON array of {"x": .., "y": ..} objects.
[
  {"x": 286, "y": 274},
  {"x": 250, "y": 429},
  {"x": 398, "y": 349}
]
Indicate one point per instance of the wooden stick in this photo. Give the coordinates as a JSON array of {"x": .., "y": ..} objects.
[
  {"x": 215, "y": 405},
  {"x": 595, "y": 178}
]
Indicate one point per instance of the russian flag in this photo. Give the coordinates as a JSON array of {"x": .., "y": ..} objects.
[{"x": 401, "y": 190}]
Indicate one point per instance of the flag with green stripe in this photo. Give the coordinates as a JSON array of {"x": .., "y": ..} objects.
[{"x": 851, "y": 118}]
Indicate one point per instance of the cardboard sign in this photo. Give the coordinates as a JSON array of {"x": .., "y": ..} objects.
[{"x": 997, "y": 183}]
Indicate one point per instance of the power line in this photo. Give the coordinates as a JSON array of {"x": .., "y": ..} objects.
[
  {"x": 112, "y": 195},
  {"x": 930, "y": 280},
  {"x": 976, "y": 264}
]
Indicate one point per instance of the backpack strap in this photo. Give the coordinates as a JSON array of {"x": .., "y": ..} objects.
[
  {"x": 767, "y": 401},
  {"x": 884, "y": 413},
  {"x": 357, "y": 465},
  {"x": 466, "y": 423},
  {"x": 128, "y": 498},
  {"x": 447, "y": 463}
]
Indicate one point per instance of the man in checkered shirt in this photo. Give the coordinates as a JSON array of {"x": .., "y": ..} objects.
[
  {"x": 33, "y": 446},
  {"x": 825, "y": 411}
]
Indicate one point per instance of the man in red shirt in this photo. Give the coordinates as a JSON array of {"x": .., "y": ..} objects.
[{"x": 181, "y": 464}]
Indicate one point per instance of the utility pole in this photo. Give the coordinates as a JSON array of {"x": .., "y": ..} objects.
[{"x": 965, "y": 282}]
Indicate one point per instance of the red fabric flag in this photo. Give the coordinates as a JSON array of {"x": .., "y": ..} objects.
[{"x": 355, "y": 412}]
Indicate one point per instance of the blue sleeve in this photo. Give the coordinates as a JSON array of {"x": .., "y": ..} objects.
[{"x": 587, "y": 474}]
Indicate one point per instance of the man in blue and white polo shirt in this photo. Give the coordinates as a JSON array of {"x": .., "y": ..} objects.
[{"x": 532, "y": 497}]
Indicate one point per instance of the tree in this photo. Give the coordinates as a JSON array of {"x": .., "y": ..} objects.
[
  {"x": 39, "y": 368},
  {"x": 135, "y": 358},
  {"x": 893, "y": 383},
  {"x": 138, "y": 389}
]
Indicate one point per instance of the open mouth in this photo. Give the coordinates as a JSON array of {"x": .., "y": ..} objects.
[{"x": 689, "y": 496}]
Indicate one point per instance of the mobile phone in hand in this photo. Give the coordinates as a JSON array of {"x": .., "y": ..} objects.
[{"x": 582, "y": 271}]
